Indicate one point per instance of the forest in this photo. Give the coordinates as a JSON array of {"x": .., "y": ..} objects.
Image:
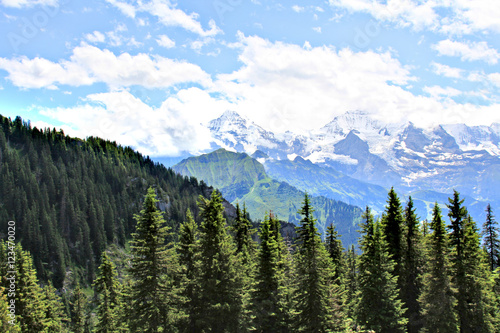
[{"x": 108, "y": 241}]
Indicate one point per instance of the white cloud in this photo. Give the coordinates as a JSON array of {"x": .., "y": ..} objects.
[
  {"x": 297, "y": 8},
  {"x": 166, "y": 130},
  {"x": 403, "y": 12},
  {"x": 89, "y": 64},
  {"x": 469, "y": 51},
  {"x": 440, "y": 92},
  {"x": 125, "y": 8},
  {"x": 447, "y": 71},
  {"x": 450, "y": 17},
  {"x": 168, "y": 15},
  {"x": 317, "y": 29},
  {"x": 288, "y": 87},
  {"x": 28, "y": 3},
  {"x": 494, "y": 78},
  {"x": 165, "y": 42},
  {"x": 95, "y": 37}
]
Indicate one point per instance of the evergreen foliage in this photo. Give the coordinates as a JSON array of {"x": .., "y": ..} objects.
[
  {"x": 314, "y": 284},
  {"x": 79, "y": 311},
  {"x": 491, "y": 239},
  {"x": 219, "y": 280},
  {"x": 153, "y": 270},
  {"x": 412, "y": 268},
  {"x": 379, "y": 307},
  {"x": 393, "y": 230},
  {"x": 271, "y": 294},
  {"x": 438, "y": 297}
]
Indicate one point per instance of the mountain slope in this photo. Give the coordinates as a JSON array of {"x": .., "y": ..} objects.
[
  {"x": 71, "y": 198},
  {"x": 399, "y": 155},
  {"x": 244, "y": 180}
]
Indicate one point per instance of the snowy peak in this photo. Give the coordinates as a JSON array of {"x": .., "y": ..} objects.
[
  {"x": 359, "y": 121},
  {"x": 227, "y": 121},
  {"x": 475, "y": 137}
]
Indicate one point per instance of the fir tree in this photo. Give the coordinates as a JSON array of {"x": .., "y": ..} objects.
[
  {"x": 336, "y": 251},
  {"x": 411, "y": 269},
  {"x": 314, "y": 269},
  {"x": 378, "y": 307},
  {"x": 270, "y": 295},
  {"x": 7, "y": 323},
  {"x": 109, "y": 298},
  {"x": 219, "y": 281},
  {"x": 351, "y": 282},
  {"x": 393, "y": 229},
  {"x": 188, "y": 250},
  {"x": 79, "y": 310},
  {"x": 438, "y": 298},
  {"x": 153, "y": 268},
  {"x": 55, "y": 317},
  {"x": 491, "y": 239}
]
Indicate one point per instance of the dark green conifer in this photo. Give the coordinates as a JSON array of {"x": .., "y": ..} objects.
[
  {"x": 154, "y": 266},
  {"x": 491, "y": 239},
  {"x": 438, "y": 297},
  {"x": 379, "y": 307},
  {"x": 412, "y": 269},
  {"x": 393, "y": 230},
  {"x": 314, "y": 298},
  {"x": 219, "y": 280},
  {"x": 79, "y": 311}
]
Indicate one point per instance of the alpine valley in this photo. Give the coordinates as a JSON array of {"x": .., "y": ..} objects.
[{"x": 354, "y": 159}]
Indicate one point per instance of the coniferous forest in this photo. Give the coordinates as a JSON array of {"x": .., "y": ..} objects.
[{"x": 108, "y": 241}]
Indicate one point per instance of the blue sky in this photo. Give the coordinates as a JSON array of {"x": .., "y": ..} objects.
[{"x": 147, "y": 73}]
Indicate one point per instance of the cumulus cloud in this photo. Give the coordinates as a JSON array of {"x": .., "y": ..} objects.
[
  {"x": 166, "y": 42},
  {"x": 95, "y": 37},
  {"x": 468, "y": 51},
  {"x": 447, "y": 71},
  {"x": 297, "y": 8},
  {"x": 28, "y": 3},
  {"x": 450, "y": 17},
  {"x": 168, "y": 15},
  {"x": 89, "y": 64},
  {"x": 166, "y": 130}
]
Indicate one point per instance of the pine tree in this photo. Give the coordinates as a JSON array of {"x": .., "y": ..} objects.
[
  {"x": 378, "y": 307},
  {"x": 7, "y": 323},
  {"x": 271, "y": 294},
  {"x": 351, "y": 282},
  {"x": 79, "y": 311},
  {"x": 55, "y": 317},
  {"x": 108, "y": 289},
  {"x": 30, "y": 302},
  {"x": 393, "y": 229},
  {"x": 154, "y": 266},
  {"x": 411, "y": 269},
  {"x": 314, "y": 269},
  {"x": 336, "y": 251},
  {"x": 188, "y": 250},
  {"x": 219, "y": 281},
  {"x": 245, "y": 250},
  {"x": 438, "y": 297},
  {"x": 491, "y": 239},
  {"x": 476, "y": 291}
]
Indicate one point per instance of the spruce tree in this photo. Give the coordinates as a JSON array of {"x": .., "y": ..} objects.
[
  {"x": 393, "y": 229},
  {"x": 109, "y": 291},
  {"x": 7, "y": 323},
  {"x": 438, "y": 297},
  {"x": 411, "y": 268},
  {"x": 56, "y": 320},
  {"x": 219, "y": 280},
  {"x": 379, "y": 307},
  {"x": 351, "y": 282},
  {"x": 270, "y": 297},
  {"x": 336, "y": 251},
  {"x": 188, "y": 250},
  {"x": 79, "y": 310},
  {"x": 314, "y": 297},
  {"x": 491, "y": 239},
  {"x": 153, "y": 269}
]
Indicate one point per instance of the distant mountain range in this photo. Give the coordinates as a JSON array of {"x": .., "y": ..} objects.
[
  {"x": 242, "y": 179},
  {"x": 357, "y": 159}
]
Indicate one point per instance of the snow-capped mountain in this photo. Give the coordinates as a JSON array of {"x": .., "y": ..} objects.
[{"x": 410, "y": 158}]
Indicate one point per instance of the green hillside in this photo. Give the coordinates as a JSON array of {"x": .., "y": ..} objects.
[
  {"x": 71, "y": 198},
  {"x": 242, "y": 179}
]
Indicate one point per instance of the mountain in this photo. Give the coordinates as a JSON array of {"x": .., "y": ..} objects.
[
  {"x": 242, "y": 179},
  {"x": 360, "y": 153},
  {"x": 70, "y": 198}
]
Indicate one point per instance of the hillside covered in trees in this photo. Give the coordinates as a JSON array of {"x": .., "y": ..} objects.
[
  {"x": 173, "y": 263},
  {"x": 72, "y": 198}
]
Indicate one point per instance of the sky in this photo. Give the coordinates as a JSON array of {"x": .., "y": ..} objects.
[{"x": 148, "y": 73}]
